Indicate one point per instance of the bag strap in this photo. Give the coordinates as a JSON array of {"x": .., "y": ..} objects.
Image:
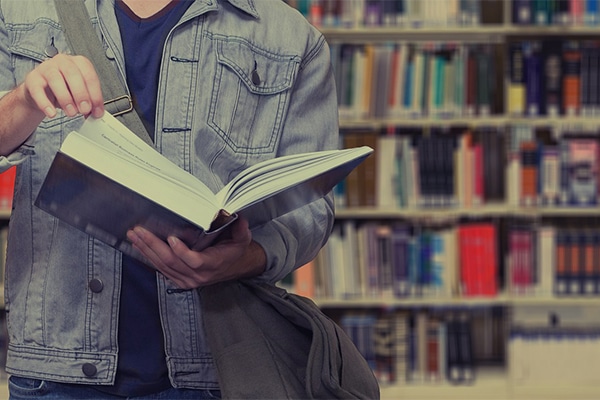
[{"x": 83, "y": 40}]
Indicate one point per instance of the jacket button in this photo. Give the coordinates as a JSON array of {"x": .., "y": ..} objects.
[
  {"x": 96, "y": 285},
  {"x": 89, "y": 369},
  {"x": 110, "y": 54}
]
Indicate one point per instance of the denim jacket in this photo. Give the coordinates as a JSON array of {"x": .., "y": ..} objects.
[{"x": 213, "y": 119}]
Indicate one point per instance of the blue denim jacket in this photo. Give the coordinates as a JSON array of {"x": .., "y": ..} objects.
[{"x": 62, "y": 287}]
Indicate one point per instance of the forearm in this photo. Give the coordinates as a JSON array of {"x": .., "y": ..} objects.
[
  {"x": 19, "y": 120},
  {"x": 294, "y": 239}
]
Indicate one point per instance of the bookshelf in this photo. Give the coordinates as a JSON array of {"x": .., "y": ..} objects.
[{"x": 348, "y": 291}]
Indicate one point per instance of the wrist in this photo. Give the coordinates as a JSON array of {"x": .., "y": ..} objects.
[{"x": 255, "y": 260}]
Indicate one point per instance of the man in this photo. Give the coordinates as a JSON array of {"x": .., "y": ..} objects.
[{"x": 222, "y": 84}]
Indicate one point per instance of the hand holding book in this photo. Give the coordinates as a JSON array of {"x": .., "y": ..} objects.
[{"x": 105, "y": 181}]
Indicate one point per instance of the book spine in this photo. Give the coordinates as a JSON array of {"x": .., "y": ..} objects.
[
  {"x": 552, "y": 83},
  {"x": 529, "y": 173},
  {"x": 571, "y": 77},
  {"x": 516, "y": 87},
  {"x": 533, "y": 80},
  {"x": 588, "y": 282},
  {"x": 7, "y": 188},
  {"x": 400, "y": 260},
  {"x": 575, "y": 264},
  {"x": 433, "y": 347},
  {"x": 561, "y": 275},
  {"x": 596, "y": 273},
  {"x": 522, "y": 12},
  {"x": 546, "y": 259},
  {"x": 576, "y": 11}
]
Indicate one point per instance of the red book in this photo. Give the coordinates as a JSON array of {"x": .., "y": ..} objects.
[
  {"x": 527, "y": 256},
  {"x": 488, "y": 264},
  {"x": 7, "y": 188},
  {"x": 571, "y": 77},
  {"x": 433, "y": 343},
  {"x": 478, "y": 259},
  {"x": 465, "y": 239}
]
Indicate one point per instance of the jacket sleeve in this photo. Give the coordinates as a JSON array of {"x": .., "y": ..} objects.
[
  {"x": 7, "y": 83},
  {"x": 311, "y": 124}
]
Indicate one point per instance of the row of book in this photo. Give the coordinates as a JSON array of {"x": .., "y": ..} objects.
[
  {"x": 546, "y": 259},
  {"x": 556, "y": 167},
  {"x": 439, "y": 167},
  {"x": 414, "y": 80},
  {"x": 553, "y": 77},
  {"x": 399, "y": 13},
  {"x": 398, "y": 260},
  {"x": 464, "y": 259},
  {"x": 556, "y": 12},
  {"x": 427, "y": 346}
]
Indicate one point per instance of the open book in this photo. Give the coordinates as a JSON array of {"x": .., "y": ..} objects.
[{"x": 105, "y": 180}]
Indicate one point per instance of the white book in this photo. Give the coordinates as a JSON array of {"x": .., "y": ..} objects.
[
  {"x": 546, "y": 259},
  {"x": 386, "y": 172}
]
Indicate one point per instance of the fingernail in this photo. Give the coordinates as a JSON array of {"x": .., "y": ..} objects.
[
  {"x": 70, "y": 110},
  {"x": 139, "y": 231},
  {"x": 173, "y": 241},
  {"x": 84, "y": 107},
  {"x": 132, "y": 236},
  {"x": 98, "y": 111},
  {"x": 50, "y": 112}
]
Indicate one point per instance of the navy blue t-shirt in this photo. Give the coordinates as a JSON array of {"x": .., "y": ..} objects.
[{"x": 142, "y": 367}]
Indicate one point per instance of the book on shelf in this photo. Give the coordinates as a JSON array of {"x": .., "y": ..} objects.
[
  {"x": 552, "y": 82},
  {"x": 105, "y": 180},
  {"x": 478, "y": 257},
  {"x": 571, "y": 77},
  {"x": 7, "y": 188},
  {"x": 582, "y": 167},
  {"x": 554, "y": 12},
  {"x": 398, "y": 13},
  {"x": 516, "y": 80}
]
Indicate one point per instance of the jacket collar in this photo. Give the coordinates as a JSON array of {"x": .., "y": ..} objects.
[{"x": 245, "y": 5}]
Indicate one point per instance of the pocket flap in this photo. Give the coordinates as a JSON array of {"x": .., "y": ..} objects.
[
  {"x": 34, "y": 44},
  {"x": 262, "y": 72}
]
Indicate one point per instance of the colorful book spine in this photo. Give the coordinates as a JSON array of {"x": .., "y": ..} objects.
[
  {"x": 516, "y": 85},
  {"x": 571, "y": 77}
]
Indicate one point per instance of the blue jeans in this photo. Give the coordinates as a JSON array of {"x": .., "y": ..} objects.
[{"x": 28, "y": 389}]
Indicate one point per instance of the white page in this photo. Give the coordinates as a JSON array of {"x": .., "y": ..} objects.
[
  {"x": 111, "y": 134},
  {"x": 159, "y": 188}
]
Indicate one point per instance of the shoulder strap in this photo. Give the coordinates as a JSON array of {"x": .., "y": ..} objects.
[{"x": 83, "y": 40}]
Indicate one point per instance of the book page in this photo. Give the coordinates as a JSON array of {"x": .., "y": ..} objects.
[
  {"x": 111, "y": 134},
  {"x": 284, "y": 172}
]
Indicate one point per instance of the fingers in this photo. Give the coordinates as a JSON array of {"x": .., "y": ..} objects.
[
  {"x": 162, "y": 257},
  {"x": 66, "y": 82}
]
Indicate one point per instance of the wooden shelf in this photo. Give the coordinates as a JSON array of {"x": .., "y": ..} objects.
[
  {"x": 491, "y": 32},
  {"x": 433, "y": 301},
  {"x": 489, "y": 210},
  {"x": 500, "y": 120}
]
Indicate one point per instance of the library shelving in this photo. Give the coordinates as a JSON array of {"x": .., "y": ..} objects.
[{"x": 465, "y": 258}]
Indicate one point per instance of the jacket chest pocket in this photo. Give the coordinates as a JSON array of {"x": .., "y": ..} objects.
[{"x": 250, "y": 95}]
